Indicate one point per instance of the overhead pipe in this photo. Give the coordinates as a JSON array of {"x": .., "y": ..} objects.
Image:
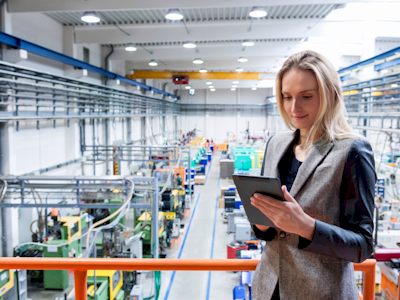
[{"x": 106, "y": 61}]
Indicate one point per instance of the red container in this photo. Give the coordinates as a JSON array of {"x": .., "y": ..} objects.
[{"x": 234, "y": 251}]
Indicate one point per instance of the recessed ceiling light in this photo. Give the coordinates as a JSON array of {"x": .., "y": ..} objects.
[
  {"x": 242, "y": 59},
  {"x": 212, "y": 90},
  {"x": 248, "y": 43},
  {"x": 203, "y": 71},
  {"x": 235, "y": 82},
  {"x": 234, "y": 85},
  {"x": 211, "y": 86},
  {"x": 153, "y": 63},
  {"x": 188, "y": 87},
  {"x": 233, "y": 89},
  {"x": 130, "y": 47},
  {"x": 198, "y": 61},
  {"x": 258, "y": 12},
  {"x": 239, "y": 70},
  {"x": 174, "y": 14},
  {"x": 189, "y": 45},
  {"x": 90, "y": 17},
  {"x": 208, "y": 82},
  {"x": 254, "y": 88}
]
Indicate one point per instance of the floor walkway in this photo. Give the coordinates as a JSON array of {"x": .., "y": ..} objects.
[{"x": 199, "y": 243}]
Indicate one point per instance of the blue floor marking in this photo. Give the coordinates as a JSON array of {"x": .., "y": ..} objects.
[
  {"x": 212, "y": 249},
  {"x": 180, "y": 252},
  {"x": 219, "y": 177},
  {"x": 208, "y": 173}
]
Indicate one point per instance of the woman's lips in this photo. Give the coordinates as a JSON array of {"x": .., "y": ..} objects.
[{"x": 299, "y": 118}]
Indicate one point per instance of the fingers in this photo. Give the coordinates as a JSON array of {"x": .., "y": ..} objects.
[
  {"x": 265, "y": 205},
  {"x": 267, "y": 199},
  {"x": 286, "y": 195}
]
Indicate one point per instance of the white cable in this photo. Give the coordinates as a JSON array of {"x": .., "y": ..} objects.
[
  {"x": 4, "y": 190},
  {"x": 170, "y": 173},
  {"x": 128, "y": 200}
]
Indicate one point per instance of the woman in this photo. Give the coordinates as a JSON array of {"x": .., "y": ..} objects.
[{"x": 328, "y": 180}]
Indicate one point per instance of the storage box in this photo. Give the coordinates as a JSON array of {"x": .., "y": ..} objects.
[
  {"x": 223, "y": 189},
  {"x": 221, "y": 202},
  {"x": 199, "y": 179}
]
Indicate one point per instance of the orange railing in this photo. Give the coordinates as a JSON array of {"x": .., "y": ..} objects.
[{"x": 81, "y": 265}]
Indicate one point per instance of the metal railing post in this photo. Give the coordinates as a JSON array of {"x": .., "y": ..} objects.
[{"x": 80, "y": 278}]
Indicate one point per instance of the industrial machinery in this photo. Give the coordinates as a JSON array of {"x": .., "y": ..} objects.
[
  {"x": 107, "y": 284},
  {"x": 146, "y": 233},
  {"x": 61, "y": 231},
  {"x": 6, "y": 282}
]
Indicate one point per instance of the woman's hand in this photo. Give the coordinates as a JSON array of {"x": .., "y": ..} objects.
[{"x": 286, "y": 215}]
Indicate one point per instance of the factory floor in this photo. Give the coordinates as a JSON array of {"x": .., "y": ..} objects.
[{"x": 200, "y": 240}]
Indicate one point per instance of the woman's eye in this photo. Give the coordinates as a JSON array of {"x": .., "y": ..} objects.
[
  {"x": 286, "y": 98},
  {"x": 307, "y": 97}
]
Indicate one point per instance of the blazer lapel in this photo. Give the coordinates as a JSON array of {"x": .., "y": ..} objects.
[
  {"x": 314, "y": 158},
  {"x": 283, "y": 147}
]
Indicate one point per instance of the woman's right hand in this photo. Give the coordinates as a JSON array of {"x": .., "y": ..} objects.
[{"x": 262, "y": 228}]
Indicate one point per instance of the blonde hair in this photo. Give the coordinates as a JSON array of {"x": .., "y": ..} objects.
[{"x": 330, "y": 122}]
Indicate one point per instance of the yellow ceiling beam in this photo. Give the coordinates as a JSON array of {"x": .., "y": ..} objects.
[{"x": 203, "y": 76}]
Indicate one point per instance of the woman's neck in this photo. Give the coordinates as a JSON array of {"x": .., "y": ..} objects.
[{"x": 303, "y": 137}]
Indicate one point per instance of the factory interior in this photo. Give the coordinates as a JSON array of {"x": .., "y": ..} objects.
[{"x": 122, "y": 123}]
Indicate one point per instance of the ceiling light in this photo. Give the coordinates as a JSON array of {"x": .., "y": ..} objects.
[
  {"x": 258, "y": 12},
  {"x": 189, "y": 45},
  {"x": 203, "y": 71},
  {"x": 394, "y": 85},
  {"x": 174, "y": 14},
  {"x": 247, "y": 43},
  {"x": 384, "y": 71},
  {"x": 130, "y": 47},
  {"x": 212, "y": 90},
  {"x": 153, "y": 63},
  {"x": 198, "y": 61},
  {"x": 188, "y": 87},
  {"x": 90, "y": 17},
  {"x": 242, "y": 59},
  {"x": 234, "y": 85},
  {"x": 235, "y": 82},
  {"x": 254, "y": 88},
  {"x": 208, "y": 82},
  {"x": 233, "y": 89},
  {"x": 211, "y": 86},
  {"x": 239, "y": 70}
]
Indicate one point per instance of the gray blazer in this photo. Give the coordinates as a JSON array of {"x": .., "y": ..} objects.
[{"x": 335, "y": 185}]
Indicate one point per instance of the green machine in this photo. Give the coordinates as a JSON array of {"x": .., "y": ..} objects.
[
  {"x": 146, "y": 232},
  {"x": 108, "y": 285},
  {"x": 68, "y": 228}
]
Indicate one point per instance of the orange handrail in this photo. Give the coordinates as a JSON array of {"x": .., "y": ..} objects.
[{"x": 80, "y": 266}]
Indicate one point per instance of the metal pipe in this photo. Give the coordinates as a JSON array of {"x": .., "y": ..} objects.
[
  {"x": 106, "y": 62},
  {"x": 3, "y": 170}
]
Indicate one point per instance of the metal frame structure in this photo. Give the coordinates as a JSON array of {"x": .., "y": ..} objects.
[
  {"x": 101, "y": 153},
  {"x": 28, "y": 94},
  {"x": 378, "y": 98},
  {"x": 50, "y": 54}
]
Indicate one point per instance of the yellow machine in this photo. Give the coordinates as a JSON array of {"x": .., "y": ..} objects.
[
  {"x": 6, "y": 281},
  {"x": 161, "y": 216},
  {"x": 73, "y": 225},
  {"x": 112, "y": 277}
]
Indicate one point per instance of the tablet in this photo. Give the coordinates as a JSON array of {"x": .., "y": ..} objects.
[{"x": 247, "y": 186}]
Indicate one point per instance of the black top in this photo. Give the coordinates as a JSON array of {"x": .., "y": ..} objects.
[{"x": 288, "y": 168}]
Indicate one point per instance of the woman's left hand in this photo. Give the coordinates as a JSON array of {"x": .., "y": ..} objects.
[{"x": 286, "y": 215}]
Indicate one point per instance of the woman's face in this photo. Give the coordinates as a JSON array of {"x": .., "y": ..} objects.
[{"x": 300, "y": 98}]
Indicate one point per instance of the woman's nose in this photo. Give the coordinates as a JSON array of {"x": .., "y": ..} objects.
[{"x": 296, "y": 105}]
